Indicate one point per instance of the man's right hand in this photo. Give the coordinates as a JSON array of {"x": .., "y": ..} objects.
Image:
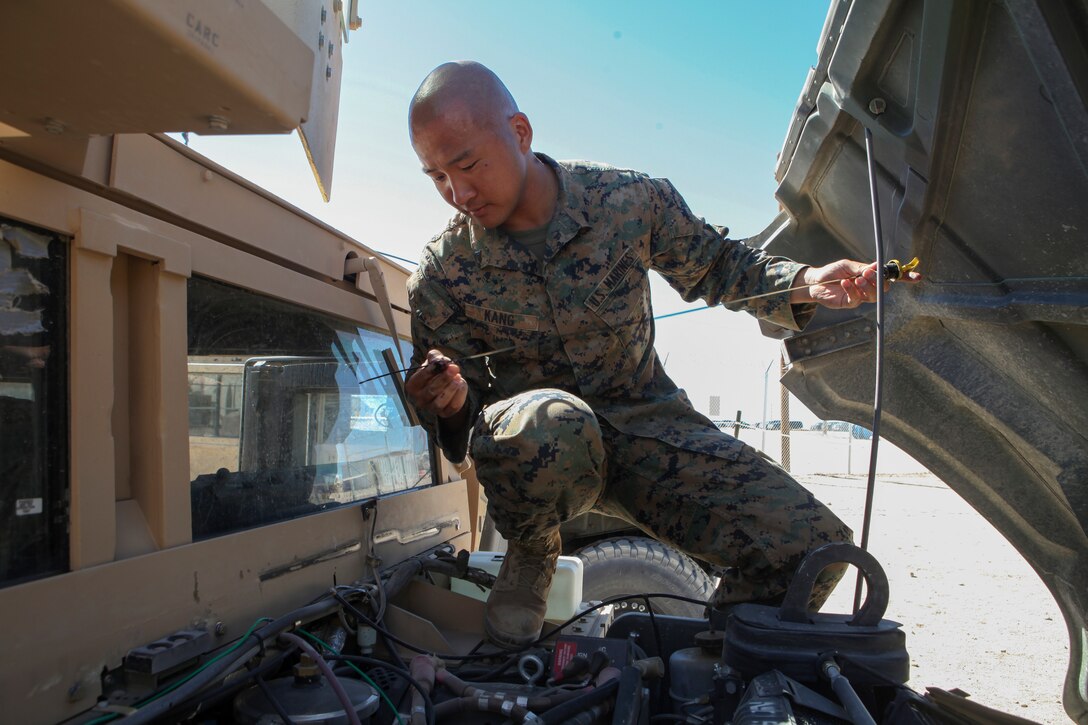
[{"x": 438, "y": 387}]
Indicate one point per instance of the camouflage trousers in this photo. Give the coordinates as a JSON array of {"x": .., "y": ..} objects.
[{"x": 543, "y": 458}]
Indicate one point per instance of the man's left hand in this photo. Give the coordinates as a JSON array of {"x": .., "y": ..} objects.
[{"x": 841, "y": 285}]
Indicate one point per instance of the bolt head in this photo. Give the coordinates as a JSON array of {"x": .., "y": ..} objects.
[{"x": 877, "y": 106}]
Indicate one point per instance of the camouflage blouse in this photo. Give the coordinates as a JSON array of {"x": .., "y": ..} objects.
[{"x": 581, "y": 318}]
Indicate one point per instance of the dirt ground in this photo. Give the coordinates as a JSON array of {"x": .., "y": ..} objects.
[{"x": 976, "y": 616}]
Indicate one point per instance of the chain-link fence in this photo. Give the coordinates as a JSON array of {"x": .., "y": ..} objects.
[{"x": 833, "y": 446}]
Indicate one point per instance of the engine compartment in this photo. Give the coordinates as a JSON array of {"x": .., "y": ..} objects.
[{"x": 358, "y": 653}]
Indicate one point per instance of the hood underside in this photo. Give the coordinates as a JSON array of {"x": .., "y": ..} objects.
[{"x": 980, "y": 123}]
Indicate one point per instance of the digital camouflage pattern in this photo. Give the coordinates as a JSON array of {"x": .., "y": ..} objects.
[
  {"x": 582, "y": 317},
  {"x": 547, "y": 458},
  {"x": 582, "y": 323}
]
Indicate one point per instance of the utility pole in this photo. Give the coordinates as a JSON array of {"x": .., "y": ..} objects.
[{"x": 785, "y": 405}]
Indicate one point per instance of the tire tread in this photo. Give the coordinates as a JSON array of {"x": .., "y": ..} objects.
[{"x": 687, "y": 576}]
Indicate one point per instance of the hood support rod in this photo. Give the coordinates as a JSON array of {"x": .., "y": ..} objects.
[{"x": 870, "y": 488}]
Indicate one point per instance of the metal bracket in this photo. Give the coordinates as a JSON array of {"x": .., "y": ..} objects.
[
  {"x": 373, "y": 268},
  {"x": 424, "y": 532},
  {"x": 834, "y": 338}
]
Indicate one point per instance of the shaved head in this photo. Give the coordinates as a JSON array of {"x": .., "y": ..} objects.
[
  {"x": 476, "y": 146},
  {"x": 465, "y": 90}
]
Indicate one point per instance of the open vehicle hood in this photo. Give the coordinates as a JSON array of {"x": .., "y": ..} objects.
[{"x": 978, "y": 111}]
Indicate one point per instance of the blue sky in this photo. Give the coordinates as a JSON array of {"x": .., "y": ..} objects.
[{"x": 699, "y": 92}]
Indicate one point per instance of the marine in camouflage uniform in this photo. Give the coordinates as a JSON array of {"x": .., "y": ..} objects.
[
  {"x": 545, "y": 268},
  {"x": 580, "y": 414}
]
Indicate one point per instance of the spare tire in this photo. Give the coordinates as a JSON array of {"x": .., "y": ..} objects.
[{"x": 636, "y": 565}]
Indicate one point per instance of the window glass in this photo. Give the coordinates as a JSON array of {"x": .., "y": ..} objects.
[
  {"x": 33, "y": 403},
  {"x": 281, "y": 423}
]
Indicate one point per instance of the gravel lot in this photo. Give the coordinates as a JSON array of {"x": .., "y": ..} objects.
[{"x": 975, "y": 614}]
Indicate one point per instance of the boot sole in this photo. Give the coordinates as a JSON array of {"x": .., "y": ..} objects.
[{"x": 506, "y": 641}]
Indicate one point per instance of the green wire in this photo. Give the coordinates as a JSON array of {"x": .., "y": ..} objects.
[
  {"x": 191, "y": 675},
  {"x": 365, "y": 677},
  {"x": 221, "y": 655}
]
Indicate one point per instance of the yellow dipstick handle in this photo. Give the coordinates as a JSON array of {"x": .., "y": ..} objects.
[{"x": 895, "y": 269}]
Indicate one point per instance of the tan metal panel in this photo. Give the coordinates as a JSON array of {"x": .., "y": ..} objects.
[
  {"x": 238, "y": 268},
  {"x": 146, "y": 168},
  {"x": 78, "y": 68},
  {"x": 124, "y": 604},
  {"x": 159, "y": 413},
  {"x": 434, "y": 515},
  {"x": 319, "y": 25},
  {"x": 155, "y": 418},
  {"x": 256, "y": 203},
  {"x": 92, "y": 526},
  {"x": 48, "y": 203},
  {"x": 172, "y": 399},
  {"x": 106, "y": 234},
  {"x": 117, "y": 605}
]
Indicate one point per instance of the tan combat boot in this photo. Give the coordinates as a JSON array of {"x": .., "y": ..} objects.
[{"x": 514, "y": 613}]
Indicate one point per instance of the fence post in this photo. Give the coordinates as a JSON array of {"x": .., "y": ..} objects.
[
  {"x": 763, "y": 427},
  {"x": 849, "y": 449},
  {"x": 736, "y": 426}
]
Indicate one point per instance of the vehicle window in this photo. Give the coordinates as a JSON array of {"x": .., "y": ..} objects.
[
  {"x": 279, "y": 424},
  {"x": 33, "y": 403}
]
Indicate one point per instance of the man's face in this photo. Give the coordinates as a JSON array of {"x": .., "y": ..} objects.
[{"x": 478, "y": 170}]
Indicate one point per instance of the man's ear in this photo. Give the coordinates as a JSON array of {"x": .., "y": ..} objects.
[{"x": 523, "y": 131}]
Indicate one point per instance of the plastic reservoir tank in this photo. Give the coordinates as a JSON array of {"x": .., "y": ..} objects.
[{"x": 564, "y": 599}]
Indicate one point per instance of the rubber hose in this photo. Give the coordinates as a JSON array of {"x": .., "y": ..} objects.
[
  {"x": 334, "y": 681},
  {"x": 166, "y": 703},
  {"x": 570, "y": 708},
  {"x": 422, "y": 668}
]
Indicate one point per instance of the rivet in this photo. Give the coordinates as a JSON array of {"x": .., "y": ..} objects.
[
  {"x": 321, "y": 39},
  {"x": 323, "y": 15},
  {"x": 877, "y": 106},
  {"x": 328, "y": 72}
]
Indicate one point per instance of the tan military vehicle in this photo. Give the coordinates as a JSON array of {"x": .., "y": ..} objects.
[{"x": 217, "y": 506}]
